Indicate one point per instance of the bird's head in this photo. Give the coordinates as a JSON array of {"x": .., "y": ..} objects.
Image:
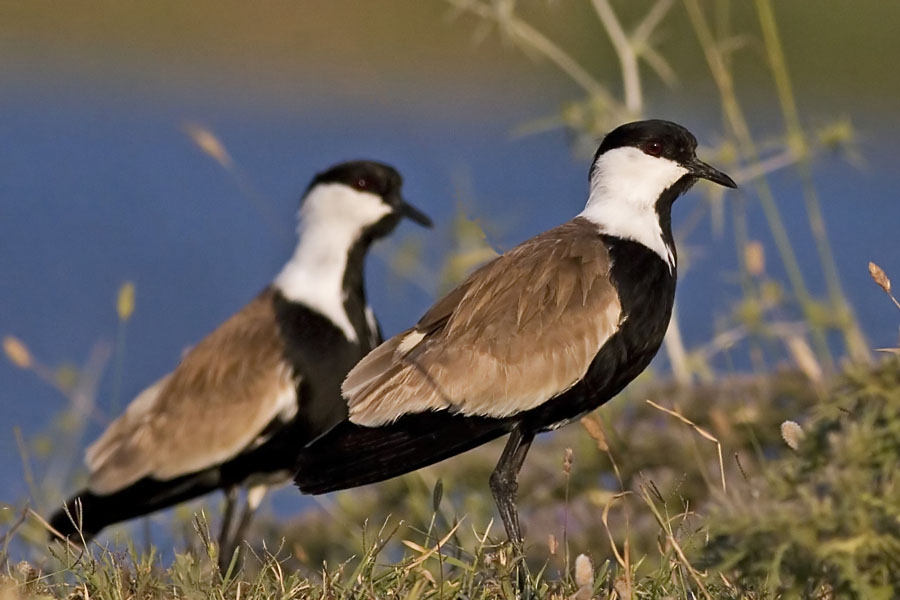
[
  {"x": 656, "y": 153},
  {"x": 362, "y": 197},
  {"x": 639, "y": 170}
]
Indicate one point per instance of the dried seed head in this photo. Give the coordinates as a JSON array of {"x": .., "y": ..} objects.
[
  {"x": 27, "y": 572},
  {"x": 17, "y": 352},
  {"x": 755, "y": 258},
  {"x": 792, "y": 434},
  {"x": 584, "y": 572},
  {"x": 825, "y": 592},
  {"x": 595, "y": 430},
  {"x": 207, "y": 141},
  {"x": 567, "y": 461},
  {"x": 125, "y": 301},
  {"x": 879, "y": 277}
]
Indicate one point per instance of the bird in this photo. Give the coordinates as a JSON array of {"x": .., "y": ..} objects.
[
  {"x": 263, "y": 383},
  {"x": 534, "y": 339}
]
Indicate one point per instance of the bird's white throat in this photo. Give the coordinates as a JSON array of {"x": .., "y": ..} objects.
[
  {"x": 332, "y": 219},
  {"x": 625, "y": 185}
]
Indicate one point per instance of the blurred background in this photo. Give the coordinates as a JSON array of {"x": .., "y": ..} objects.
[{"x": 105, "y": 180}]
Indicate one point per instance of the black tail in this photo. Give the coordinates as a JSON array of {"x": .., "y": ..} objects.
[
  {"x": 350, "y": 455},
  {"x": 146, "y": 496}
]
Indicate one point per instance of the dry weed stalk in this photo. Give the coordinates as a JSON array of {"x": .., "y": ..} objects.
[{"x": 703, "y": 433}]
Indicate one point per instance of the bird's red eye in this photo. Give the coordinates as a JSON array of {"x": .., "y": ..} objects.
[{"x": 653, "y": 148}]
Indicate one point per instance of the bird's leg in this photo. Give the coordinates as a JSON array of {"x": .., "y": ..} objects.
[
  {"x": 505, "y": 481},
  {"x": 505, "y": 484},
  {"x": 231, "y": 498},
  {"x": 255, "y": 497}
]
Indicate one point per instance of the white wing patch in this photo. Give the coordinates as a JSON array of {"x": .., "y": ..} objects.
[{"x": 409, "y": 342}]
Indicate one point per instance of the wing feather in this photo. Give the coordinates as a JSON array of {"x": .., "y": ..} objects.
[
  {"x": 521, "y": 330},
  {"x": 216, "y": 402}
]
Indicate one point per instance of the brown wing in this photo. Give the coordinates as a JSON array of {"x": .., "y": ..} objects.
[
  {"x": 211, "y": 407},
  {"x": 522, "y": 329}
]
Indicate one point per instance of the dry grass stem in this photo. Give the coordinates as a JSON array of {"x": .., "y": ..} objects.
[
  {"x": 699, "y": 430},
  {"x": 804, "y": 357},
  {"x": 622, "y": 558},
  {"x": 426, "y": 553},
  {"x": 627, "y": 57},
  {"x": 529, "y": 38}
]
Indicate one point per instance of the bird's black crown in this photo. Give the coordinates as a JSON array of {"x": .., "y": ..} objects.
[
  {"x": 654, "y": 137},
  {"x": 663, "y": 139},
  {"x": 363, "y": 175},
  {"x": 378, "y": 179}
]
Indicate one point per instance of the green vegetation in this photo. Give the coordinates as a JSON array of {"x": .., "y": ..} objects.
[
  {"x": 824, "y": 521},
  {"x": 780, "y": 483},
  {"x": 813, "y": 515}
]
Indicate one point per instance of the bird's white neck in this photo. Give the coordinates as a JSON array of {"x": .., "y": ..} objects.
[
  {"x": 625, "y": 186},
  {"x": 332, "y": 219}
]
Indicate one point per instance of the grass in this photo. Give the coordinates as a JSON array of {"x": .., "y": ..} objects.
[
  {"x": 785, "y": 526},
  {"x": 823, "y": 520},
  {"x": 778, "y": 483}
]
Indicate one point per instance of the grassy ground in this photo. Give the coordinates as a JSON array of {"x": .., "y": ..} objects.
[{"x": 806, "y": 509}]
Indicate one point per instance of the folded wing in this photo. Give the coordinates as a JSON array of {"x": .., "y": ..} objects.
[
  {"x": 217, "y": 403},
  {"x": 519, "y": 331}
]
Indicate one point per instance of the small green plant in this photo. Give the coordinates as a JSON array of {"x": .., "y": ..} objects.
[{"x": 822, "y": 522}]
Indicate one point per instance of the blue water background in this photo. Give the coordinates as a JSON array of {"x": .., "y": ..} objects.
[{"x": 99, "y": 185}]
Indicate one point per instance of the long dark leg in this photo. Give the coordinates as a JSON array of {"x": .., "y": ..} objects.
[
  {"x": 255, "y": 496},
  {"x": 225, "y": 547},
  {"x": 505, "y": 481}
]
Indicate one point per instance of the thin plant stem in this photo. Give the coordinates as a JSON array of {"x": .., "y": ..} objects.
[
  {"x": 521, "y": 31},
  {"x": 640, "y": 40},
  {"x": 738, "y": 124},
  {"x": 748, "y": 288},
  {"x": 676, "y": 352},
  {"x": 119, "y": 367},
  {"x": 27, "y": 472},
  {"x": 854, "y": 339},
  {"x": 631, "y": 77}
]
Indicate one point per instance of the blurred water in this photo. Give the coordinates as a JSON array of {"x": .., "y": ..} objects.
[{"x": 98, "y": 189}]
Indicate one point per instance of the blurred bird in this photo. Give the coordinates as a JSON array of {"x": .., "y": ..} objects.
[
  {"x": 243, "y": 402},
  {"x": 532, "y": 340}
]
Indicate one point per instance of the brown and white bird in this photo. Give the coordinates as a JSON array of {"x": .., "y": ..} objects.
[
  {"x": 538, "y": 337},
  {"x": 241, "y": 404}
]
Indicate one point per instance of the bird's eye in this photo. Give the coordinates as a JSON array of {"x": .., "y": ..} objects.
[
  {"x": 653, "y": 148},
  {"x": 362, "y": 183}
]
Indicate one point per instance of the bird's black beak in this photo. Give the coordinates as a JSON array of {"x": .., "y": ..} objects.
[
  {"x": 412, "y": 213},
  {"x": 700, "y": 169}
]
